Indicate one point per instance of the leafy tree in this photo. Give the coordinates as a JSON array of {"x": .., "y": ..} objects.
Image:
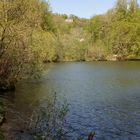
[
  {"x": 18, "y": 19},
  {"x": 117, "y": 31},
  {"x": 47, "y": 18}
]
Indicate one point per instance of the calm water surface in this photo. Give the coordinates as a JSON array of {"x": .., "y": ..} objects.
[{"x": 103, "y": 97}]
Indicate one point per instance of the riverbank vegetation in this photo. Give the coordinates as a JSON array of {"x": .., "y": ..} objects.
[
  {"x": 31, "y": 34},
  {"x": 117, "y": 32},
  {"x": 18, "y": 20}
]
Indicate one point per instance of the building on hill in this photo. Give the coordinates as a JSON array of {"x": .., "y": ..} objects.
[{"x": 69, "y": 20}]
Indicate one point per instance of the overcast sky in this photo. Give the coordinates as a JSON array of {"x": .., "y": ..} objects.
[{"x": 82, "y": 8}]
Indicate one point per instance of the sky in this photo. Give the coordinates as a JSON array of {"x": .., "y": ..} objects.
[{"x": 81, "y": 8}]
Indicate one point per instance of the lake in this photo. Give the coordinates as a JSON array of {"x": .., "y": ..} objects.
[{"x": 102, "y": 96}]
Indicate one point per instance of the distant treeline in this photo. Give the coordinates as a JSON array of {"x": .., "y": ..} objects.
[
  {"x": 117, "y": 32},
  {"x": 31, "y": 34}
]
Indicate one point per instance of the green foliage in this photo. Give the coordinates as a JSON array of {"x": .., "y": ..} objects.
[
  {"x": 47, "y": 18},
  {"x": 44, "y": 45},
  {"x": 94, "y": 27},
  {"x": 30, "y": 34},
  {"x": 125, "y": 37},
  {"x": 117, "y": 30},
  {"x": 67, "y": 43},
  {"x": 48, "y": 119},
  {"x": 73, "y": 45},
  {"x": 18, "y": 19}
]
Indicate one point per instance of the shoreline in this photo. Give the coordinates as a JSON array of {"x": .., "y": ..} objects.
[{"x": 105, "y": 60}]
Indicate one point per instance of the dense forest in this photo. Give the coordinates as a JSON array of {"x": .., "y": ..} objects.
[
  {"x": 31, "y": 34},
  {"x": 117, "y": 31}
]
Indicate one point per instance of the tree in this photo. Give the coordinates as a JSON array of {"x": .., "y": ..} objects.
[
  {"x": 18, "y": 19},
  {"x": 121, "y": 9},
  {"x": 47, "y": 18},
  {"x": 117, "y": 31},
  {"x": 133, "y": 6}
]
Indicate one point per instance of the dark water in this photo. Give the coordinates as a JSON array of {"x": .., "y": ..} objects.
[{"x": 103, "y": 97}]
